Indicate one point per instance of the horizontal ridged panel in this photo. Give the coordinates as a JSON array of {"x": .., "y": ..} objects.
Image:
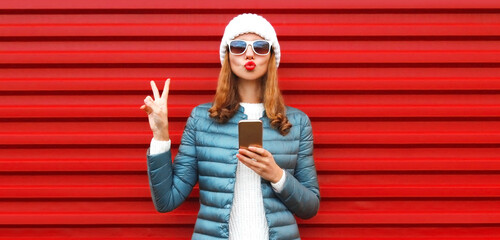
[
  {"x": 403, "y": 97},
  {"x": 293, "y": 52},
  {"x": 310, "y": 25},
  {"x": 331, "y": 79},
  {"x": 186, "y": 218},
  {"x": 319, "y": 105},
  {"x": 225, "y": 4},
  {"x": 472, "y": 158}
]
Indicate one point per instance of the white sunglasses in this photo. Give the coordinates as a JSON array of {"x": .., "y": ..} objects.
[{"x": 259, "y": 47}]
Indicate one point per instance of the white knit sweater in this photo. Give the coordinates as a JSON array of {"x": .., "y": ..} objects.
[{"x": 247, "y": 219}]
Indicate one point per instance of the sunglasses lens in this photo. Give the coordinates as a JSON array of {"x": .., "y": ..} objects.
[
  {"x": 261, "y": 47},
  {"x": 237, "y": 47}
]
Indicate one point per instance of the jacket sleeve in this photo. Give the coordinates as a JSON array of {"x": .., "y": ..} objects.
[
  {"x": 301, "y": 190},
  {"x": 171, "y": 184}
]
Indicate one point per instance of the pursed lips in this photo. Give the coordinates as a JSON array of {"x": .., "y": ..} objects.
[{"x": 250, "y": 65}]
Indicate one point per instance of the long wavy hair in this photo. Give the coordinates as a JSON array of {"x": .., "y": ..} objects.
[{"x": 227, "y": 99}]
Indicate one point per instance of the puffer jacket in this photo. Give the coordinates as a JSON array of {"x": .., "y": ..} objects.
[{"x": 207, "y": 154}]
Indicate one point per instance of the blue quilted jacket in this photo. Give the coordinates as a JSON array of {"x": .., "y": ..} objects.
[{"x": 207, "y": 154}]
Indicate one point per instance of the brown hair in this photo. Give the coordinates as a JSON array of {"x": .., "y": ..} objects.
[{"x": 226, "y": 101}]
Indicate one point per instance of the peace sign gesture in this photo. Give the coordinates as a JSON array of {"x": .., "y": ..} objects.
[{"x": 157, "y": 111}]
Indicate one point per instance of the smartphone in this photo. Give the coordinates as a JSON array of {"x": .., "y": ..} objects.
[{"x": 250, "y": 133}]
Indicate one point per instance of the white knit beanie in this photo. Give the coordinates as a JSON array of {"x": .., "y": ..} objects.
[{"x": 250, "y": 23}]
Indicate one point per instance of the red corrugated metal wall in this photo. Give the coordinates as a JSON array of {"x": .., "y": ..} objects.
[{"x": 403, "y": 95}]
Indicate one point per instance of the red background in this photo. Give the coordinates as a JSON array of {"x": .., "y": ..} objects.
[{"x": 403, "y": 96}]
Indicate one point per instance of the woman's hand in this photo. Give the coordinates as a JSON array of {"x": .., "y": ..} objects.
[
  {"x": 264, "y": 163},
  {"x": 157, "y": 111}
]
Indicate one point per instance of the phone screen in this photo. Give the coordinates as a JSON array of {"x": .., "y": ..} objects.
[{"x": 250, "y": 133}]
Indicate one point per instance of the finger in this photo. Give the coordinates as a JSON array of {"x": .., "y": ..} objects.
[
  {"x": 254, "y": 165},
  {"x": 253, "y": 168},
  {"x": 260, "y": 151},
  {"x": 155, "y": 90},
  {"x": 166, "y": 88},
  {"x": 249, "y": 154},
  {"x": 146, "y": 109},
  {"x": 149, "y": 103}
]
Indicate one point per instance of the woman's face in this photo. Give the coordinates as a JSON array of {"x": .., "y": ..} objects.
[{"x": 238, "y": 62}]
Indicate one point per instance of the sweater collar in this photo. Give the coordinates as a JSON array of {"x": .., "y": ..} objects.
[
  {"x": 241, "y": 110},
  {"x": 240, "y": 115}
]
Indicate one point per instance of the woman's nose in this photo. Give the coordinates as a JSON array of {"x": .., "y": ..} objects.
[{"x": 249, "y": 53}]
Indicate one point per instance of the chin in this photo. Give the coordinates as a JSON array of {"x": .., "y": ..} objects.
[{"x": 250, "y": 77}]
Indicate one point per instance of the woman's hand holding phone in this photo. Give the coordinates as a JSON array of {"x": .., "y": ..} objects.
[
  {"x": 157, "y": 111},
  {"x": 264, "y": 163}
]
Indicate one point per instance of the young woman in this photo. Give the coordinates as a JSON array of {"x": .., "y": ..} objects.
[{"x": 244, "y": 193}]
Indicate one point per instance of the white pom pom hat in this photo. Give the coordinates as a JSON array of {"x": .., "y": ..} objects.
[{"x": 250, "y": 23}]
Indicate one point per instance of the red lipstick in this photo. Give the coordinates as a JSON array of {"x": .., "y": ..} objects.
[{"x": 250, "y": 65}]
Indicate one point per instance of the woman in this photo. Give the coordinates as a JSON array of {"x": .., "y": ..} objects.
[{"x": 244, "y": 193}]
